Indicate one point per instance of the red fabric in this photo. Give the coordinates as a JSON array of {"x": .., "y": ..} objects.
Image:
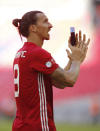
[{"x": 35, "y": 89}]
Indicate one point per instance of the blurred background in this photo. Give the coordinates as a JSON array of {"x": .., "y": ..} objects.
[{"x": 75, "y": 108}]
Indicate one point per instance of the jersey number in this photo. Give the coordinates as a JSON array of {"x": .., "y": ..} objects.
[{"x": 16, "y": 80}]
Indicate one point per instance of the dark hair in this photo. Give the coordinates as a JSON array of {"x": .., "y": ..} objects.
[{"x": 24, "y": 23}]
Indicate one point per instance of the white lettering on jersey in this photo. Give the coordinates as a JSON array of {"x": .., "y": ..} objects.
[{"x": 20, "y": 54}]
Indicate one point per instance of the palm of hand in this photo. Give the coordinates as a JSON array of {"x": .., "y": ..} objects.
[{"x": 79, "y": 51}]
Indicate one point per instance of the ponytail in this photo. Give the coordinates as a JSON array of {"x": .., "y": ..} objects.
[
  {"x": 24, "y": 23},
  {"x": 16, "y": 22}
]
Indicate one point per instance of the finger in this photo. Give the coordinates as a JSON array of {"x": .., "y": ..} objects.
[
  {"x": 81, "y": 45},
  {"x": 69, "y": 43},
  {"x": 85, "y": 45},
  {"x": 80, "y": 35},
  {"x": 76, "y": 37},
  {"x": 83, "y": 42},
  {"x": 69, "y": 40},
  {"x": 80, "y": 39},
  {"x": 77, "y": 42},
  {"x": 84, "y": 38},
  {"x": 68, "y": 53},
  {"x": 88, "y": 42}
]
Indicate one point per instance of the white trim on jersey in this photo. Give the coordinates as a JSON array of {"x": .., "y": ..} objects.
[
  {"x": 43, "y": 104},
  {"x": 40, "y": 102}
]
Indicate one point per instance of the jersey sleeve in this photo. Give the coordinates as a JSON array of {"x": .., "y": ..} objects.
[{"x": 42, "y": 61}]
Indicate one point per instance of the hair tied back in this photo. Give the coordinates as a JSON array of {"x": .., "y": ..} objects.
[{"x": 16, "y": 22}]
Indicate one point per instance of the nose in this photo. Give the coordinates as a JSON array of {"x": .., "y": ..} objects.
[{"x": 50, "y": 25}]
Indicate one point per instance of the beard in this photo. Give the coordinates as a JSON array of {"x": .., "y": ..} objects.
[{"x": 47, "y": 37}]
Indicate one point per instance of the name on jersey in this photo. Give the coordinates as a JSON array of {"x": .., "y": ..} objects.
[{"x": 20, "y": 54}]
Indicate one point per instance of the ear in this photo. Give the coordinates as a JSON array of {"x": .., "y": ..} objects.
[{"x": 33, "y": 28}]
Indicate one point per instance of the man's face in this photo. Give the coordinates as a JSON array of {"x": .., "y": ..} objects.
[{"x": 43, "y": 26}]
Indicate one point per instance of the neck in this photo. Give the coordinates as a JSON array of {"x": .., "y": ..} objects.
[{"x": 36, "y": 40}]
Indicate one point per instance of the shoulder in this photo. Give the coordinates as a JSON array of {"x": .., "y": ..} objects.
[{"x": 39, "y": 52}]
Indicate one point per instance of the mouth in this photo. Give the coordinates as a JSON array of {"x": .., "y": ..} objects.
[
  {"x": 49, "y": 31},
  {"x": 48, "y": 35}
]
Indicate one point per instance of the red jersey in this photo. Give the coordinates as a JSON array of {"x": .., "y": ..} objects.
[{"x": 33, "y": 89}]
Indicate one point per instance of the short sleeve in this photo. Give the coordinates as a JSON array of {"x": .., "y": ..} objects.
[{"x": 42, "y": 61}]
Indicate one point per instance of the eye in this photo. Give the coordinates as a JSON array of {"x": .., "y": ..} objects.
[{"x": 46, "y": 20}]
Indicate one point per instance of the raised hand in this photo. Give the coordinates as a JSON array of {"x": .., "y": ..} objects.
[{"x": 78, "y": 52}]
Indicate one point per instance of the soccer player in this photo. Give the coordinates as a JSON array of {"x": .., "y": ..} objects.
[{"x": 35, "y": 72}]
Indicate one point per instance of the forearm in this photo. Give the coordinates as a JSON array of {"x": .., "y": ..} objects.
[
  {"x": 73, "y": 70},
  {"x": 58, "y": 84},
  {"x": 68, "y": 65},
  {"x": 68, "y": 77}
]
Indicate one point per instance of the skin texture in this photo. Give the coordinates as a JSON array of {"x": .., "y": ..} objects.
[
  {"x": 76, "y": 56},
  {"x": 40, "y": 32},
  {"x": 61, "y": 78}
]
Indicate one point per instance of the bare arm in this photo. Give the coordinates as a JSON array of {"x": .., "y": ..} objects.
[
  {"x": 56, "y": 83},
  {"x": 62, "y": 78},
  {"x": 68, "y": 65}
]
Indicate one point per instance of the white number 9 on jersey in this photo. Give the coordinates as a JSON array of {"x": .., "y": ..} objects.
[{"x": 16, "y": 80}]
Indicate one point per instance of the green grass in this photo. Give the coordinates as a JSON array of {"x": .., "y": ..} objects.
[
  {"x": 6, "y": 125},
  {"x": 69, "y": 127}
]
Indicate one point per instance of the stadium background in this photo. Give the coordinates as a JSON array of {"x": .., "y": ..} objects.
[{"x": 75, "y": 108}]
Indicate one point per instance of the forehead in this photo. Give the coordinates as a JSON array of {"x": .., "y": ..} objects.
[{"x": 41, "y": 16}]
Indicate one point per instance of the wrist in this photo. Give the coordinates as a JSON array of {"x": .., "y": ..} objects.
[{"x": 76, "y": 62}]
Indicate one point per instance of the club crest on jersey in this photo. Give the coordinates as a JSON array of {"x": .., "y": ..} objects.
[{"x": 48, "y": 64}]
